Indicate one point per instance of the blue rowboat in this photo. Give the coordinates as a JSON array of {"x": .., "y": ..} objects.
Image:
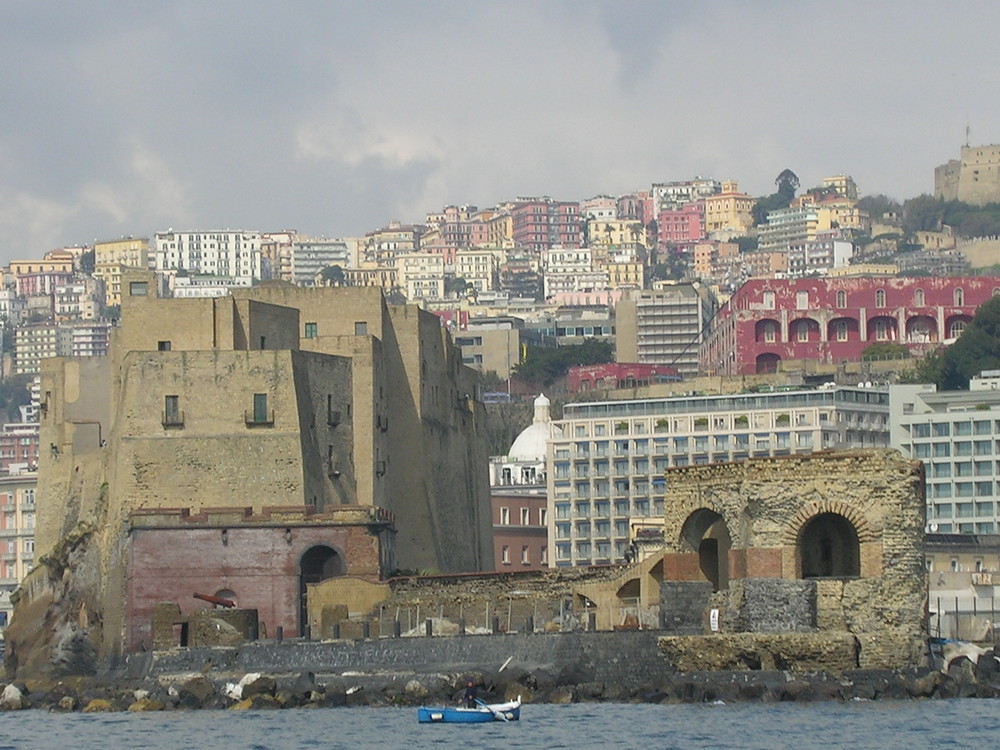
[{"x": 510, "y": 711}]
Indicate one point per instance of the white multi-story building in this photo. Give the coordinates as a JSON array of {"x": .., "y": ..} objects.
[
  {"x": 421, "y": 275},
  {"x": 605, "y": 472},
  {"x": 91, "y": 339},
  {"x": 79, "y": 300},
  {"x": 664, "y": 326},
  {"x": 216, "y": 252},
  {"x": 186, "y": 287},
  {"x": 32, "y": 344},
  {"x": 479, "y": 267},
  {"x": 17, "y": 535},
  {"x": 309, "y": 257},
  {"x": 957, "y": 436},
  {"x": 820, "y": 255}
]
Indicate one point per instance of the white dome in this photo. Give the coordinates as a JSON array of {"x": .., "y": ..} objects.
[{"x": 529, "y": 445}]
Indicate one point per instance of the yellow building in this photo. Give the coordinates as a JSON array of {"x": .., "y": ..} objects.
[
  {"x": 128, "y": 251},
  {"x": 615, "y": 232},
  {"x": 626, "y": 275},
  {"x": 729, "y": 212}
]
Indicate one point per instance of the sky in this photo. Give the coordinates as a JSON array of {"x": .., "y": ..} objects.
[{"x": 333, "y": 118}]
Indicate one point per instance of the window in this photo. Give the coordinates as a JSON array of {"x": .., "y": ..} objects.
[
  {"x": 841, "y": 298},
  {"x": 959, "y": 297},
  {"x": 525, "y": 516},
  {"x": 841, "y": 330},
  {"x": 260, "y": 414},
  {"x": 505, "y": 555},
  {"x": 504, "y": 516},
  {"x": 312, "y": 330},
  {"x": 360, "y": 328},
  {"x": 172, "y": 415},
  {"x": 956, "y": 329},
  {"x": 803, "y": 330},
  {"x": 918, "y": 297},
  {"x": 802, "y": 300},
  {"x": 163, "y": 346},
  {"x": 880, "y": 298},
  {"x": 770, "y": 332},
  {"x": 768, "y": 300},
  {"x": 543, "y": 516},
  {"x": 544, "y": 555},
  {"x": 881, "y": 331},
  {"x": 138, "y": 288},
  {"x": 525, "y": 558}
]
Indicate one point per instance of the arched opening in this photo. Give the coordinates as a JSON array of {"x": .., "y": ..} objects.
[
  {"x": 706, "y": 533},
  {"x": 768, "y": 362},
  {"x": 829, "y": 548},
  {"x": 317, "y": 564}
]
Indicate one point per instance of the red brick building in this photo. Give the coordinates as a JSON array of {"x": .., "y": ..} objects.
[
  {"x": 261, "y": 562},
  {"x": 770, "y": 321},
  {"x": 618, "y": 375}
]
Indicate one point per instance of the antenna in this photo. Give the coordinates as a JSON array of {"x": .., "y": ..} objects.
[{"x": 966, "y": 131}]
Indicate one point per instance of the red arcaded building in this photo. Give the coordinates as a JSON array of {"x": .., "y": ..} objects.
[
  {"x": 614, "y": 375},
  {"x": 770, "y": 321}
]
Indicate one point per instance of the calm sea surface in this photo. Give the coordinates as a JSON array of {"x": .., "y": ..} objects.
[{"x": 912, "y": 725}]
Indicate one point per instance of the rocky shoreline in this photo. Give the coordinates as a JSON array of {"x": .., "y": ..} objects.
[{"x": 212, "y": 690}]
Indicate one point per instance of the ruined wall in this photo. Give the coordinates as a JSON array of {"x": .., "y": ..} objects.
[{"x": 767, "y": 506}]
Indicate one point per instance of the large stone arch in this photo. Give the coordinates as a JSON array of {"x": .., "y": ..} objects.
[
  {"x": 826, "y": 539},
  {"x": 706, "y": 533}
]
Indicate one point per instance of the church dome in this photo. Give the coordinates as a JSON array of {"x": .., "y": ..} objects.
[{"x": 529, "y": 445}]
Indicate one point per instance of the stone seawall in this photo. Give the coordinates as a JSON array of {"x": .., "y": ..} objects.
[{"x": 627, "y": 658}]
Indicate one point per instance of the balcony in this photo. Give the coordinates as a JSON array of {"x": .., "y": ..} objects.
[
  {"x": 172, "y": 419},
  {"x": 259, "y": 419}
]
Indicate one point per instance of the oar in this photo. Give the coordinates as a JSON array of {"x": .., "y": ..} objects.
[{"x": 498, "y": 714}]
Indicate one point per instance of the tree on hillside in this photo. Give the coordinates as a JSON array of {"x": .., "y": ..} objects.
[
  {"x": 879, "y": 205},
  {"x": 788, "y": 183},
  {"x": 977, "y": 349},
  {"x": 333, "y": 276},
  {"x": 545, "y": 366}
]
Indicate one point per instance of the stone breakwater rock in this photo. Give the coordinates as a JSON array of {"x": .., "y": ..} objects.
[
  {"x": 533, "y": 685},
  {"x": 12, "y": 699}
]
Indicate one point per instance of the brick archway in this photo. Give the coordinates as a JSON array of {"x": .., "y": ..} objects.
[{"x": 792, "y": 532}]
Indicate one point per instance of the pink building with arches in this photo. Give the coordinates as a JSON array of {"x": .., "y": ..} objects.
[{"x": 771, "y": 321}]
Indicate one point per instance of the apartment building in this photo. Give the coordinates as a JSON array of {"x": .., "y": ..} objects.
[
  {"x": 605, "y": 471},
  {"x": 217, "y": 252},
  {"x": 957, "y": 436},
  {"x": 128, "y": 251},
  {"x": 17, "y": 535},
  {"x": 540, "y": 223},
  {"x": 310, "y": 257},
  {"x": 664, "y": 326},
  {"x": 421, "y": 275}
]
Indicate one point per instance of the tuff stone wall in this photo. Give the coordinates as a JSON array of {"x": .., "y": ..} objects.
[{"x": 764, "y": 511}]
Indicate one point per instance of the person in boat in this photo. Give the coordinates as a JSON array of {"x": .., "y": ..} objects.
[{"x": 471, "y": 696}]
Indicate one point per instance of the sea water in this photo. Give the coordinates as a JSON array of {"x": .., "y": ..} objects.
[{"x": 887, "y": 725}]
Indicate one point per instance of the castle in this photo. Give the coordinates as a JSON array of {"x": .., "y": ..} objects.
[{"x": 244, "y": 447}]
